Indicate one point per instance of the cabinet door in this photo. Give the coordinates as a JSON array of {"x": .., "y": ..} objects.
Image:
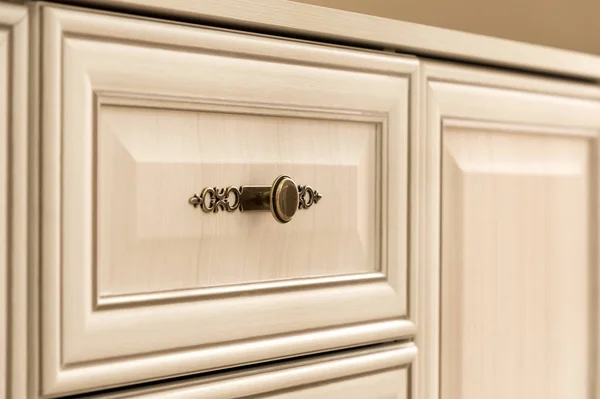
[
  {"x": 376, "y": 373},
  {"x": 509, "y": 306},
  {"x": 13, "y": 200},
  {"x": 138, "y": 117}
]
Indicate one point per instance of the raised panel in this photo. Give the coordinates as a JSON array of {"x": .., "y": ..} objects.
[
  {"x": 518, "y": 267},
  {"x": 139, "y": 285},
  {"x": 374, "y": 373},
  {"x": 149, "y": 238},
  {"x": 506, "y": 184}
]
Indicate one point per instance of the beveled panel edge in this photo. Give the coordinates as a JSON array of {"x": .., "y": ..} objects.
[
  {"x": 69, "y": 381},
  {"x": 457, "y": 100},
  {"x": 380, "y": 120},
  {"x": 305, "y": 20},
  {"x": 481, "y": 76},
  {"x": 515, "y": 127},
  {"x": 181, "y": 103},
  {"x": 255, "y": 288},
  {"x": 285, "y": 375}
]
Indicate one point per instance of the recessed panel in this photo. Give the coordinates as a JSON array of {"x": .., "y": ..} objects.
[
  {"x": 518, "y": 265},
  {"x": 150, "y": 161}
]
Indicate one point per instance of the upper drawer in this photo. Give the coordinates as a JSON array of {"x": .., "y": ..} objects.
[{"x": 137, "y": 117}]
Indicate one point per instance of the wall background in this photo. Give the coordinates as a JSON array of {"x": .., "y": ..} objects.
[{"x": 568, "y": 24}]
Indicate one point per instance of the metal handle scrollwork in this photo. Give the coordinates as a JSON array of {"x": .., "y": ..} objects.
[{"x": 283, "y": 198}]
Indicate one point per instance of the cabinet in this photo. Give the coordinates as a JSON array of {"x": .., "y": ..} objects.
[
  {"x": 509, "y": 301},
  {"x": 291, "y": 209},
  {"x": 137, "y": 117}
]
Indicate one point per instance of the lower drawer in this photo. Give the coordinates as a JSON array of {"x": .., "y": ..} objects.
[{"x": 381, "y": 372}]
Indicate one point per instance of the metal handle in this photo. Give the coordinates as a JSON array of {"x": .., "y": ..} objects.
[{"x": 283, "y": 198}]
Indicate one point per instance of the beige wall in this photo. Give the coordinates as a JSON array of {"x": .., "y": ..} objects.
[{"x": 570, "y": 24}]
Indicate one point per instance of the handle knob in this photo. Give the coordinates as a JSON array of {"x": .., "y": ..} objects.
[{"x": 283, "y": 198}]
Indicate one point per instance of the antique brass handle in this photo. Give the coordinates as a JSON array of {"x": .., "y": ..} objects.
[{"x": 283, "y": 198}]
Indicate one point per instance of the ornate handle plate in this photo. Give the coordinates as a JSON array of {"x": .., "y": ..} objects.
[{"x": 283, "y": 198}]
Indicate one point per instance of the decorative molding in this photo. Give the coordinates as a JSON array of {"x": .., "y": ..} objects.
[
  {"x": 520, "y": 128},
  {"x": 78, "y": 342},
  {"x": 286, "y": 345},
  {"x": 303, "y": 20},
  {"x": 194, "y": 294},
  {"x": 17, "y": 234},
  {"x": 330, "y": 369}
]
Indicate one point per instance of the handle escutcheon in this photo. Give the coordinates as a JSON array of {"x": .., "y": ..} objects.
[{"x": 283, "y": 198}]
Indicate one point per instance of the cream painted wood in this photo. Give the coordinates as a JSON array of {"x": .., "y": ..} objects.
[
  {"x": 517, "y": 231},
  {"x": 508, "y": 180},
  {"x": 150, "y": 240},
  {"x": 132, "y": 124},
  {"x": 380, "y": 373},
  {"x": 285, "y": 17},
  {"x": 13, "y": 201}
]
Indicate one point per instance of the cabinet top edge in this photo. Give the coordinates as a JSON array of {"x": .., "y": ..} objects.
[{"x": 282, "y": 17}]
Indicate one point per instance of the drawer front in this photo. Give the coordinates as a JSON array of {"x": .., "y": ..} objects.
[
  {"x": 137, "y": 121},
  {"x": 381, "y": 373}
]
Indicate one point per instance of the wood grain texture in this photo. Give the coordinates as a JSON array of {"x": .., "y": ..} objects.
[
  {"x": 151, "y": 240},
  {"x": 13, "y": 201},
  {"x": 178, "y": 71},
  {"x": 364, "y": 373},
  {"x": 518, "y": 228},
  {"x": 508, "y": 298},
  {"x": 279, "y": 17}
]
